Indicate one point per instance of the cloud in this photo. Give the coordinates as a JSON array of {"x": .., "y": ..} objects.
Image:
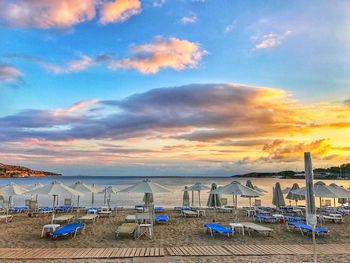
[
  {"x": 230, "y": 27},
  {"x": 271, "y": 40},
  {"x": 158, "y": 3},
  {"x": 161, "y": 53},
  {"x": 147, "y": 58},
  {"x": 64, "y": 13},
  {"x": 188, "y": 20},
  {"x": 119, "y": 10},
  {"x": 46, "y": 14},
  {"x": 9, "y": 73}
]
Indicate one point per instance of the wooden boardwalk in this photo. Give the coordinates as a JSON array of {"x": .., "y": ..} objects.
[{"x": 110, "y": 253}]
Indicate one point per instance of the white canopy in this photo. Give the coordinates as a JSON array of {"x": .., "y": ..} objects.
[
  {"x": 146, "y": 186},
  {"x": 322, "y": 190},
  {"x": 235, "y": 188},
  {"x": 340, "y": 191},
  {"x": 108, "y": 191},
  {"x": 83, "y": 188},
  {"x": 12, "y": 189},
  {"x": 55, "y": 189}
]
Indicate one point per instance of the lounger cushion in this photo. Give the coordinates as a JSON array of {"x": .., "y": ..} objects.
[
  {"x": 161, "y": 218},
  {"x": 218, "y": 228},
  {"x": 68, "y": 229},
  {"x": 319, "y": 230}
]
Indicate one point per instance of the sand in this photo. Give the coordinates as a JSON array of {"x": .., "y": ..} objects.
[{"x": 25, "y": 231}]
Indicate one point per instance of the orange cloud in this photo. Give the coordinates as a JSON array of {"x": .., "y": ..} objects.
[
  {"x": 119, "y": 10},
  {"x": 162, "y": 53},
  {"x": 46, "y": 14}
]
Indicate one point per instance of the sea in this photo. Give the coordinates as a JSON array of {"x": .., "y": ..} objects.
[{"x": 167, "y": 200}]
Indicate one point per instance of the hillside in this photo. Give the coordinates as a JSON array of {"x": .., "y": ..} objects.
[{"x": 12, "y": 171}]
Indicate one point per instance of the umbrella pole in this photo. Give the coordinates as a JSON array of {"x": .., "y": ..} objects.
[
  {"x": 53, "y": 209},
  {"x": 105, "y": 196},
  {"x": 192, "y": 198},
  {"x": 92, "y": 199},
  {"x": 334, "y": 201},
  {"x": 250, "y": 202},
  {"x": 78, "y": 210},
  {"x": 199, "y": 198}
]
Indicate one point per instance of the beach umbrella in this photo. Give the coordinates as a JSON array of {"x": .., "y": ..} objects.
[
  {"x": 278, "y": 200},
  {"x": 84, "y": 188},
  {"x": 214, "y": 200},
  {"x": 36, "y": 186},
  {"x": 146, "y": 186},
  {"x": 322, "y": 190},
  {"x": 108, "y": 191},
  {"x": 251, "y": 186},
  {"x": 286, "y": 190},
  {"x": 185, "y": 198},
  {"x": 198, "y": 187},
  {"x": 11, "y": 190},
  {"x": 148, "y": 199},
  {"x": 341, "y": 191},
  {"x": 295, "y": 197},
  {"x": 55, "y": 189},
  {"x": 235, "y": 188}
]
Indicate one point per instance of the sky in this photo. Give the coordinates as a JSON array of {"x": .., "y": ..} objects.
[{"x": 174, "y": 87}]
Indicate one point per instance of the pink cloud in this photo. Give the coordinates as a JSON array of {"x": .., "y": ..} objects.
[
  {"x": 162, "y": 53},
  {"x": 46, "y": 14},
  {"x": 119, "y": 10},
  {"x": 9, "y": 73}
]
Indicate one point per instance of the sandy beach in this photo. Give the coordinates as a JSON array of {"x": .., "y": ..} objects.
[{"x": 25, "y": 231}]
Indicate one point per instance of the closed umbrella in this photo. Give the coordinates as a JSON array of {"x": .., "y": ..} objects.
[
  {"x": 214, "y": 200},
  {"x": 198, "y": 187},
  {"x": 108, "y": 191},
  {"x": 83, "y": 188},
  {"x": 251, "y": 186},
  {"x": 278, "y": 201},
  {"x": 148, "y": 199},
  {"x": 295, "y": 197},
  {"x": 11, "y": 190},
  {"x": 186, "y": 198},
  {"x": 55, "y": 189}
]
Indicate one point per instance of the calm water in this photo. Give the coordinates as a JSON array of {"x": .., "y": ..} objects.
[{"x": 167, "y": 200}]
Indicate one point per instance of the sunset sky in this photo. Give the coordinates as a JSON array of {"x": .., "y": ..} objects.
[{"x": 174, "y": 87}]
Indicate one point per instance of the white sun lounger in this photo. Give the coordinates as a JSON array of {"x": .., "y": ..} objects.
[
  {"x": 7, "y": 218},
  {"x": 332, "y": 218},
  {"x": 89, "y": 218},
  {"x": 189, "y": 213},
  {"x": 251, "y": 227},
  {"x": 130, "y": 218},
  {"x": 64, "y": 218}
]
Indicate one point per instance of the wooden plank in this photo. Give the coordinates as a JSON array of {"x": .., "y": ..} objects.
[
  {"x": 142, "y": 253},
  {"x": 161, "y": 252},
  {"x": 114, "y": 253},
  {"x": 137, "y": 252},
  {"x": 170, "y": 251}
]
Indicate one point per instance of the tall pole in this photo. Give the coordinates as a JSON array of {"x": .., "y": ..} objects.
[{"x": 311, "y": 218}]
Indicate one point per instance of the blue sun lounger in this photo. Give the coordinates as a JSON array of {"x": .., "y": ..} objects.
[
  {"x": 161, "y": 218},
  {"x": 70, "y": 229},
  {"x": 294, "y": 219},
  {"x": 266, "y": 218},
  {"x": 304, "y": 228},
  {"x": 159, "y": 209},
  {"x": 216, "y": 228}
]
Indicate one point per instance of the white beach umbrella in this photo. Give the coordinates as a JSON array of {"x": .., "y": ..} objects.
[
  {"x": 291, "y": 196},
  {"x": 198, "y": 187},
  {"x": 84, "y": 188},
  {"x": 146, "y": 187},
  {"x": 251, "y": 186},
  {"x": 36, "y": 186},
  {"x": 235, "y": 188},
  {"x": 108, "y": 191},
  {"x": 278, "y": 199},
  {"x": 285, "y": 191},
  {"x": 321, "y": 190},
  {"x": 11, "y": 190},
  {"x": 341, "y": 191},
  {"x": 186, "y": 198},
  {"x": 55, "y": 189}
]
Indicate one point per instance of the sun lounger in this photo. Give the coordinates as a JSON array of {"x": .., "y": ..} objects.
[
  {"x": 189, "y": 213},
  {"x": 225, "y": 209},
  {"x": 159, "y": 209},
  {"x": 294, "y": 218},
  {"x": 19, "y": 209},
  {"x": 70, "y": 229},
  {"x": 7, "y": 218},
  {"x": 64, "y": 218},
  {"x": 130, "y": 218},
  {"x": 64, "y": 208},
  {"x": 161, "y": 218},
  {"x": 304, "y": 228},
  {"x": 91, "y": 210},
  {"x": 335, "y": 218},
  {"x": 252, "y": 227},
  {"x": 129, "y": 229},
  {"x": 89, "y": 218},
  {"x": 216, "y": 228},
  {"x": 266, "y": 218}
]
